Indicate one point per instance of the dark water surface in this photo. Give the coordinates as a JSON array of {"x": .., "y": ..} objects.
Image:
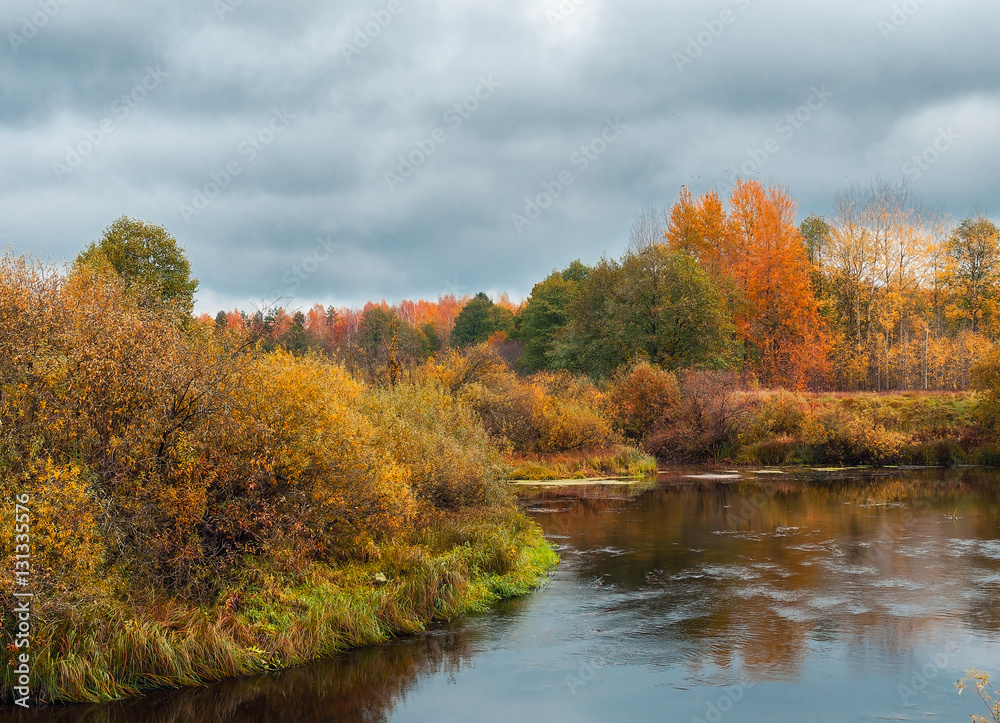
[{"x": 806, "y": 596}]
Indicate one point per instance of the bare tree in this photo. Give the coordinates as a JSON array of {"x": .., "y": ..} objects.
[{"x": 648, "y": 229}]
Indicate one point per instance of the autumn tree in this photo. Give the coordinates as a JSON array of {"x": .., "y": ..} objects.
[
  {"x": 780, "y": 323},
  {"x": 145, "y": 254},
  {"x": 973, "y": 271},
  {"x": 758, "y": 259}
]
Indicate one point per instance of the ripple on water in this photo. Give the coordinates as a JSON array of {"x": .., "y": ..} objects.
[
  {"x": 958, "y": 547},
  {"x": 741, "y": 534},
  {"x": 729, "y": 572},
  {"x": 825, "y": 602},
  {"x": 794, "y": 614},
  {"x": 896, "y": 583},
  {"x": 771, "y": 593},
  {"x": 907, "y": 610}
]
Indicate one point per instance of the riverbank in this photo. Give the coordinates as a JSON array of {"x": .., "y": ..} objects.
[
  {"x": 879, "y": 429},
  {"x": 193, "y": 507},
  {"x": 266, "y": 619},
  {"x": 618, "y": 461}
]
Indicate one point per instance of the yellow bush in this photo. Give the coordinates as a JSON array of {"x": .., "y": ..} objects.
[
  {"x": 65, "y": 543},
  {"x": 448, "y": 457}
]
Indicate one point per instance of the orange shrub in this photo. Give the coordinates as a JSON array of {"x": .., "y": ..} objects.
[{"x": 642, "y": 398}]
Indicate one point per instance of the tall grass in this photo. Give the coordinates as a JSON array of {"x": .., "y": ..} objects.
[{"x": 269, "y": 620}]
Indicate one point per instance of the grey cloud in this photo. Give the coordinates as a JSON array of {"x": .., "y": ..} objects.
[{"x": 324, "y": 176}]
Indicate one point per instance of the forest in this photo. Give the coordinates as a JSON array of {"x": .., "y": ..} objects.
[
  {"x": 881, "y": 296},
  {"x": 212, "y": 497}
]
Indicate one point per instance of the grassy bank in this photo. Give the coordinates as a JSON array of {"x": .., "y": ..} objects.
[
  {"x": 935, "y": 429},
  {"x": 618, "y": 461},
  {"x": 196, "y": 507},
  {"x": 266, "y": 619}
]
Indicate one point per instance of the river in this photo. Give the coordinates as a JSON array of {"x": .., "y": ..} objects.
[{"x": 751, "y": 596}]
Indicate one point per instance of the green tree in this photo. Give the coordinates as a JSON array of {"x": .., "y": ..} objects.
[
  {"x": 294, "y": 339},
  {"x": 382, "y": 335},
  {"x": 816, "y": 232},
  {"x": 546, "y": 313},
  {"x": 669, "y": 311},
  {"x": 478, "y": 320},
  {"x": 145, "y": 255},
  {"x": 590, "y": 342},
  {"x": 433, "y": 337},
  {"x": 656, "y": 305}
]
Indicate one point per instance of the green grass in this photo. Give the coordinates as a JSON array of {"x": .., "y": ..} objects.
[
  {"x": 266, "y": 620},
  {"x": 616, "y": 462}
]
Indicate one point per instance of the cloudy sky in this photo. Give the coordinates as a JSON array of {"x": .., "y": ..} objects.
[{"x": 339, "y": 152}]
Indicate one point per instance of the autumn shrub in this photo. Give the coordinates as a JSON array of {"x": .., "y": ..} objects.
[
  {"x": 448, "y": 458},
  {"x": 567, "y": 414},
  {"x": 706, "y": 422},
  {"x": 641, "y": 398},
  {"x": 163, "y": 451},
  {"x": 771, "y": 452},
  {"x": 986, "y": 381},
  {"x": 779, "y": 413},
  {"x": 484, "y": 382},
  {"x": 193, "y": 498},
  {"x": 547, "y": 412},
  {"x": 858, "y": 441},
  {"x": 109, "y": 389},
  {"x": 302, "y": 469}
]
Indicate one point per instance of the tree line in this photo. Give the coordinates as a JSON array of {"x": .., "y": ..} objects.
[{"x": 881, "y": 295}]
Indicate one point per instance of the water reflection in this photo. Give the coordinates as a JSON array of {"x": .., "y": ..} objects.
[
  {"x": 361, "y": 686},
  {"x": 801, "y": 586}
]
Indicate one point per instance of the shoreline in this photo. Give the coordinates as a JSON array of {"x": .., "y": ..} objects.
[{"x": 110, "y": 650}]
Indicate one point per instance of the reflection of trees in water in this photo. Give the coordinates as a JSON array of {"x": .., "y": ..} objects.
[
  {"x": 753, "y": 569},
  {"x": 363, "y": 685}
]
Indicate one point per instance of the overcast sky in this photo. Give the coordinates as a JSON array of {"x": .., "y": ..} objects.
[{"x": 357, "y": 177}]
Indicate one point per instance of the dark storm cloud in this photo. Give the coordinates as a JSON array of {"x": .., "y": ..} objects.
[{"x": 313, "y": 104}]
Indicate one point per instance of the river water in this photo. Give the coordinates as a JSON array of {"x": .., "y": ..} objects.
[{"x": 755, "y": 596}]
